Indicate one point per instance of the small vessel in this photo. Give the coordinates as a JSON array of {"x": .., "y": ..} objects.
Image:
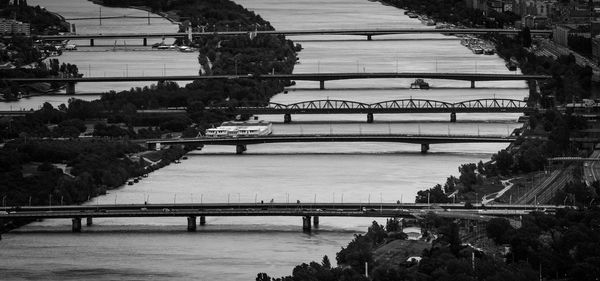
[
  {"x": 477, "y": 50},
  {"x": 186, "y": 49},
  {"x": 412, "y": 15},
  {"x": 488, "y": 51},
  {"x": 419, "y": 84},
  {"x": 512, "y": 64},
  {"x": 130, "y": 182},
  {"x": 136, "y": 180}
]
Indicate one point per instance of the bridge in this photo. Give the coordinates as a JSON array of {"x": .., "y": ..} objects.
[
  {"x": 15, "y": 112},
  {"x": 241, "y": 142},
  {"x": 321, "y": 77},
  {"x": 305, "y": 210},
  {"x": 392, "y": 106},
  {"x": 367, "y": 32}
]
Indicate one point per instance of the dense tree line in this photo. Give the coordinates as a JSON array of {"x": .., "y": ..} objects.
[
  {"x": 564, "y": 246},
  {"x": 552, "y": 247},
  {"x": 95, "y": 166}
]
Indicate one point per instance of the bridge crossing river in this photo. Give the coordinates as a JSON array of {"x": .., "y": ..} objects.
[{"x": 304, "y": 210}]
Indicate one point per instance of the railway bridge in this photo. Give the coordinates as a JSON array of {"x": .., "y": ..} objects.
[{"x": 411, "y": 105}]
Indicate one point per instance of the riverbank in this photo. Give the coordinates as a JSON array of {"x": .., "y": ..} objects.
[
  {"x": 524, "y": 155},
  {"x": 57, "y": 172}
]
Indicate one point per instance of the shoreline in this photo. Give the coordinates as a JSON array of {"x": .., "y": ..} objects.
[{"x": 141, "y": 8}]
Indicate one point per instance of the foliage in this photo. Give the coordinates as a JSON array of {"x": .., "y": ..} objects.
[
  {"x": 432, "y": 195},
  {"x": 497, "y": 229}
]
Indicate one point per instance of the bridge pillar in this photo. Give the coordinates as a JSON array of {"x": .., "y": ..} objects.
[
  {"x": 202, "y": 220},
  {"x": 88, "y": 221},
  {"x": 191, "y": 226},
  {"x": 424, "y": 147},
  {"x": 76, "y": 225},
  {"x": 154, "y": 146},
  {"x": 306, "y": 223},
  {"x": 92, "y": 42},
  {"x": 316, "y": 221},
  {"x": 472, "y": 84},
  {"x": 453, "y": 117},
  {"x": 70, "y": 88},
  {"x": 369, "y": 38},
  {"x": 322, "y": 85},
  {"x": 287, "y": 118},
  {"x": 369, "y": 117},
  {"x": 240, "y": 148},
  {"x": 145, "y": 42}
]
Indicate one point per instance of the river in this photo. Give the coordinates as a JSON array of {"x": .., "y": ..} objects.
[{"x": 239, "y": 248}]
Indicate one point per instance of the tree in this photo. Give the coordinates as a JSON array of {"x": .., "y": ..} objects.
[
  {"x": 432, "y": 195},
  {"x": 467, "y": 175},
  {"x": 504, "y": 161},
  {"x": 497, "y": 228},
  {"x": 325, "y": 262},
  {"x": 526, "y": 37},
  {"x": 263, "y": 277}
]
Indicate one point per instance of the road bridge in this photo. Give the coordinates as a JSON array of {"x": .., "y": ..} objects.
[
  {"x": 15, "y": 112},
  {"x": 392, "y": 106},
  {"x": 241, "y": 142},
  {"x": 321, "y": 77},
  {"x": 367, "y": 32},
  {"x": 193, "y": 211}
]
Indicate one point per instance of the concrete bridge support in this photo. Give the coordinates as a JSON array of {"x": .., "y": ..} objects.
[
  {"x": 322, "y": 85},
  {"x": 202, "y": 220},
  {"x": 472, "y": 84},
  {"x": 92, "y": 42},
  {"x": 76, "y": 227},
  {"x": 453, "y": 117},
  {"x": 191, "y": 223},
  {"x": 70, "y": 88},
  {"x": 424, "y": 148},
  {"x": 88, "y": 221},
  {"x": 145, "y": 42},
  {"x": 369, "y": 117},
  {"x": 316, "y": 221},
  {"x": 306, "y": 223},
  {"x": 240, "y": 148},
  {"x": 287, "y": 118}
]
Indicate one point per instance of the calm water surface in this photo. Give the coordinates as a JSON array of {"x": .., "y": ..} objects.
[{"x": 238, "y": 248}]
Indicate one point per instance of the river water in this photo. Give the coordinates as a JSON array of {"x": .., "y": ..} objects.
[{"x": 239, "y": 248}]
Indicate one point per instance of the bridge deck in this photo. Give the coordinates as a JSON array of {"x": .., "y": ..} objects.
[
  {"x": 302, "y": 76},
  {"x": 254, "y": 209},
  {"x": 417, "y": 139},
  {"x": 363, "y": 32}
]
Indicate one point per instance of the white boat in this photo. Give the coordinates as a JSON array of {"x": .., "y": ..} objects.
[{"x": 186, "y": 49}]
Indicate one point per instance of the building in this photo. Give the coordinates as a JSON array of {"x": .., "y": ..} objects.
[
  {"x": 560, "y": 35},
  {"x": 8, "y": 26},
  {"x": 596, "y": 49}
]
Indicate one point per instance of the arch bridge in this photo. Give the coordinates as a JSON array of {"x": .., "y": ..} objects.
[{"x": 327, "y": 106}]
